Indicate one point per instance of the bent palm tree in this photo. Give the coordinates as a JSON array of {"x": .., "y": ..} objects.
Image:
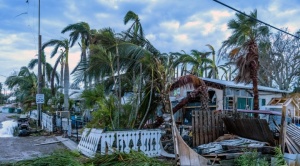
[
  {"x": 24, "y": 84},
  {"x": 200, "y": 88},
  {"x": 81, "y": 29},
  {"x": 244, "y": 50},
  {"x": 63, "y": 44},
  {"x": 135, "y": 32},
  {"x": 47, "y": 68}
]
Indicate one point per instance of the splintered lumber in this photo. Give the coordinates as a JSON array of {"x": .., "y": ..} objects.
[
  {"x": 184, "y": 155},
  {"x": 293, "y": 138}
]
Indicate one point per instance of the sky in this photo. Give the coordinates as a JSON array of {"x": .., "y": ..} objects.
[{"x": 170, "y": 25}]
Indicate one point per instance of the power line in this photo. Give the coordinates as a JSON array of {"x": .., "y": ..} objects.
[{"x": 256, "y": 19}]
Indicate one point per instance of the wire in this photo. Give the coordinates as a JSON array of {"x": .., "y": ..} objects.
[{"x": 256, "y": 19}]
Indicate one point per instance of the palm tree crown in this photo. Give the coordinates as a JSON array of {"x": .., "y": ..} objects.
[{"x": 243, "y": 49}]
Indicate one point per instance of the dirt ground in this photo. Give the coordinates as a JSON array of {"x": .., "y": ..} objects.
[{"x": 23, "y": 148}]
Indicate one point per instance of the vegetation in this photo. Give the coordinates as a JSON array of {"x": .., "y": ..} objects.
[
  {"x": 244, "y": 49},
  {"x": 72, "y": 158},
  {"x": 251, "y": 158},
  {"x": 58, "y": 158},
  {"x": 127, "y": 159}
]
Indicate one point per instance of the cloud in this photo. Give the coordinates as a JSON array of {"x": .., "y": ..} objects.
[
  {"x": 113, "y": 4},
  {"x": 170, "y": 26}
]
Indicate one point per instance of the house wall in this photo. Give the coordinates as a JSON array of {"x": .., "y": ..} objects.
[
  {"x": 290, "y": 110},
  {"x": 219, "y": 97},
  {"x": 181, "y": 92},
  {"x": 268, "y": 96}
]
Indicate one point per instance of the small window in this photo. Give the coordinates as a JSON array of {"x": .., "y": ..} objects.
[{"x": 263, "y": 102}]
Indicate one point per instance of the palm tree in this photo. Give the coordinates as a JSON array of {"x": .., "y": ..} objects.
[
  {"x": 83, "y": 30},
  {"x": 196, "y": 59},
  {"x": 47, "y": 68},
  {"x": 24, "y": 84},
  {"x": 135, "y": 34},
  {"x": 200, "y": 88},
  {"x": 64, "y": 44},
  {"x": 213, "y": 67},
  {"x": 135, "y": 31},
  {"x": 244, "y": 49}
]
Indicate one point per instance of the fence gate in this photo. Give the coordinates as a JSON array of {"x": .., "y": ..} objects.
[{"x": 207, "y": 126}]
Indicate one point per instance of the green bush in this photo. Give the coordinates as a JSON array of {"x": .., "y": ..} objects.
[{"x": 251, "y": 158}]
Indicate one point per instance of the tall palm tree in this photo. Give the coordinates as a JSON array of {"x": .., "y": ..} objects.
[
  {"x": 82, "y": 30},
  {"x": 213, "y": 67},
  {"x": 135, "y": 34},
  {"x": 47, "y": 68},
  {"x": 63, "y": 44},
  {"x": 244, "y": 49}
]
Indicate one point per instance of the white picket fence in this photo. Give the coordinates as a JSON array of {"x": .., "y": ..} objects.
[
  {"x": 47, "y": 122},
  {"x": 95, "y": 140},
  {"x": 66, "y": 125},
  {"x": 48, "y": 125}
]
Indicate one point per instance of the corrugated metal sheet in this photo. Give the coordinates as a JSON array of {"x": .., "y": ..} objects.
[
  {"x": 243, "y": 86},
  {"x": 293, "y": 134},
  {"x": 257, "y": 129}
]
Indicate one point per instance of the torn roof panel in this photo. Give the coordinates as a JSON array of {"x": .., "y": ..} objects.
[{"x": 232, "y": 84}]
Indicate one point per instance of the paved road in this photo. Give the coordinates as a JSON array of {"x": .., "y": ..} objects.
[{"x": 24, "y": 148}]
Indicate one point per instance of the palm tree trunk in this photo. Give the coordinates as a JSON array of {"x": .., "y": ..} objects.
[
  {"x": 66, "y": 85},
  {"x": 84, "y": 58},
  {"x": 120, "y": 90},
  {"x": 140, "y": 84},
  {"x": 148, "y": 107},
  {"x": 61, "y": 75},
  {"x": 253, "y": 51}
]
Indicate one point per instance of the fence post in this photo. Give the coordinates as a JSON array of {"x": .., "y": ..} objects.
[
  {"x": 61, "y": 126},
  {"x": 76, "y": 130}
]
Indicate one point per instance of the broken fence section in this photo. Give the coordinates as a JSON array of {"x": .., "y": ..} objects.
[
  {"x": 94, "y": 140},
  {"x": 207, "y": 126},
  {"x": 257, "y": 129}
]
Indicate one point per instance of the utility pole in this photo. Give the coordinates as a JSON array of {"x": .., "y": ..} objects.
[{"x": 39, "y": 91}]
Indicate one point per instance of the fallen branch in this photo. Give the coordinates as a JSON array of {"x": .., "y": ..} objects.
[{"x": 46, "y": 143}]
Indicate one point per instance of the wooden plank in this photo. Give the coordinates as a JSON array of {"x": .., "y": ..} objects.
[
  {"x": 282, "y": 129},
  {"x": 205, "y": 127},
  {"x": 213, "y": 125},
  {"x": 267, "y": 133},
  {"x": 209, "y": 126},
  {"x": 222, "y": 128},
  {"x": 201, "y": 127},
  {"x": 194, "y": 128},
  {"x": 197, "y": 128},
  {"x": 217, "y": 126}
]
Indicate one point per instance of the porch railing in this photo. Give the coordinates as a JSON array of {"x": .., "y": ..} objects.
[{"x": 95, "y": 140}]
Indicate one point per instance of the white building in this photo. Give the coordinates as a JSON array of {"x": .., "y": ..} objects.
[{"x": 223, "y": 94}]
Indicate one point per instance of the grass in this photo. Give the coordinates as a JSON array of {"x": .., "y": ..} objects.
[
  {"x": 58, "y": 158},
  {"x": 126, "y": 159},
  {"x": 71, "y": 158}
]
